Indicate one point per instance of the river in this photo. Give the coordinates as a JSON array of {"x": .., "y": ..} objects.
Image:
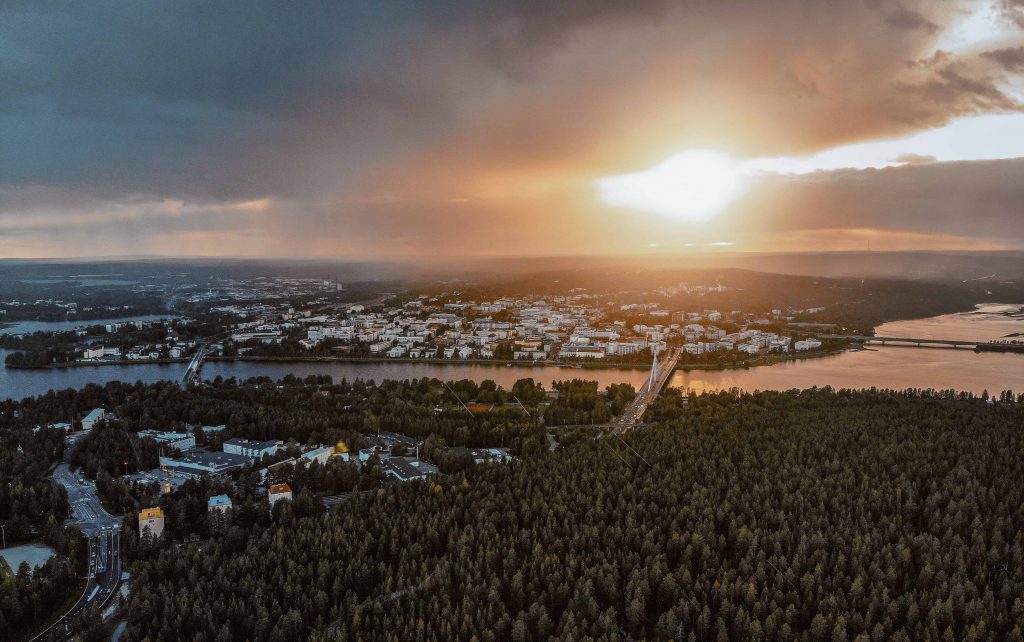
[
  {"x": 879, "y": 366},
  {"x": 28, "y": 327}
]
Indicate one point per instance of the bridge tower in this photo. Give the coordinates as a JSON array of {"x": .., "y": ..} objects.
[{"x": 653, "y": 381}]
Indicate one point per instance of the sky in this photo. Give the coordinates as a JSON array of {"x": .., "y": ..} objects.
[{"x": 484, "y": 128}]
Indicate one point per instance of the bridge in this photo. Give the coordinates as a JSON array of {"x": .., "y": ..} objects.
[
  {"x": 910, "y": 340},
  {"x": 192, "y": 371},
  {"x": 660, "y": 374}
]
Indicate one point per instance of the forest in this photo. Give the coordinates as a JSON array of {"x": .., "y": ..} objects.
[
  {"x": 800, "y": 515},
  {"x": 34, "y": 509}
]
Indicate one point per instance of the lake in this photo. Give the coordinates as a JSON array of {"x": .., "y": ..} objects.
[{"x": 878, "y": 366}]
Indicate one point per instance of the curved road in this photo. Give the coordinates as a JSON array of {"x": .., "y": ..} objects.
[{"x": 103, "y": 531}]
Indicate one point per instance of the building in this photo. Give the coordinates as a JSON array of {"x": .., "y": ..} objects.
[
  {"x": 91, "y": 419},
  {"x": 151, "y": 521},
  {"x": 199, "y": 463},
  {"x": 806, "y": 344},
  {"x": 180, "y": 440},
  {"x": 279, "y": 492},
  {"x": 62, "y": 426},
  {"x": 93, "y": 353},
  {"x": 581, "y": 352},
  {"x": 321, "y": 454},
  {"x": 407, "y": 468},
  {"x": 219, "y": 503},
  {"x": 251, "y": 449}
]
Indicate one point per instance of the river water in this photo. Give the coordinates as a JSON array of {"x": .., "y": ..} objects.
[
  {"x": 28, "y": 327},
  {"x": 879, "y": 366}
]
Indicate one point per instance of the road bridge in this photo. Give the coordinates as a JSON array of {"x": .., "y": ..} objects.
[
  {"x": 196, "y": 364},
  {"x": 660, "y": 374},
  {"x": 912, "y": 340}
]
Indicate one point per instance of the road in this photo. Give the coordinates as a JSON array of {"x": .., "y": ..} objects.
[
  {"x": 103, "y": 532},
  {"x": 649, "y": 392}
]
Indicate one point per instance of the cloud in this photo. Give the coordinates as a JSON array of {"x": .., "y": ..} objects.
[
  {"x": 951, "y": 86},
  {"x": 914, "y": 159},
  {"x": 419, "y": 128},
  {"x": 1009, "y": 58},
  {"x": 898, "y": 16},
  {"x": 965, "y": 199},
  {"x": 1013, "y": 11}
]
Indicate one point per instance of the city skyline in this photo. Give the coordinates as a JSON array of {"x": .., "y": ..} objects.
[{"x": 511, "y": 129}]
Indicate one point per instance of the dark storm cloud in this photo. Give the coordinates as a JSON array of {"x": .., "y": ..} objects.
[
  {"x": 431, "y": 126},
  {"x": 159, "y": 97},
  {"x": 116, "y": 91}
]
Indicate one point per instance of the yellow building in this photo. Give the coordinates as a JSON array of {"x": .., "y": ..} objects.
[{"x": 151, "y": 520}]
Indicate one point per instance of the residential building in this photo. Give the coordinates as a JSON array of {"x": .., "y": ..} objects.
[
  {"x": 180, "y": 440},
  {"x": 321, "y": 454},
  {"x": 249, "y": 448},
  {"x": 582, "y": 352}
]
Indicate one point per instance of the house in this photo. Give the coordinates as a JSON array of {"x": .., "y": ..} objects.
[
  {"x": 151, "y": 521},
  {"x": 249, "y": 448},
  {"x": 279, "y": 492},
  {"x": 91, "y": 419},
  {"x": 219, "y": 503}
]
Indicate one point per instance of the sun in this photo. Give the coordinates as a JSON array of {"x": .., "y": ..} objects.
[{"x": 694, "y": 186}]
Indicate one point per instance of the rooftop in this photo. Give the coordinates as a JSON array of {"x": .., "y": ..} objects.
[
  {"x": 151, "y": 513},
  {"x": 249, "y": 443}
]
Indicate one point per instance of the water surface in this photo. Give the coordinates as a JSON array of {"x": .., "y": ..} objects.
[{"x": 879, "y": 366}]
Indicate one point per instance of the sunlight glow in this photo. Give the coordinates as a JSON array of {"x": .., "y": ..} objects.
[
  {"x": 697, "y": 185},
  {"x": 692, "y": 186}
]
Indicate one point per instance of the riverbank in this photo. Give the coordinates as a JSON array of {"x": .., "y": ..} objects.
[
  {"x": 763, "y": 360},
  {"x": 82, "y": 364}
]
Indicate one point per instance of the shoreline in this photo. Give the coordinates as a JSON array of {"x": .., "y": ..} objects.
[{"x": 765, "y": 360}]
